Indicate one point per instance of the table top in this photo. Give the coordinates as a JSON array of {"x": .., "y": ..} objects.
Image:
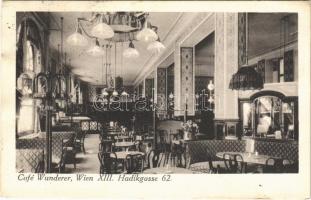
[
  {"x": 165, "y": 170},
  {"x": 123, "y": 154},
  {"x": 114, "y": 132},
  {"x": 124, "y": 144},
  {"x": 249, "y": 157},
  {"x": 123, "y": 137}
]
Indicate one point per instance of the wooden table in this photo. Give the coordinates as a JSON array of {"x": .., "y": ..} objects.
[
  {"x": 249, "y": 157},
  {"x": 165, "y": 170},
  {"x": 123, "y": 154}
]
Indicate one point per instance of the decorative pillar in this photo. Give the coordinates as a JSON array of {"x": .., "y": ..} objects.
[
  {"x": 226, "y": 64},
  {"x": 187, "y": 80},
  {"x": 148, "y": 87},
  {"x": 161, "y": 91},
  {"x": 184, "y": 81}
]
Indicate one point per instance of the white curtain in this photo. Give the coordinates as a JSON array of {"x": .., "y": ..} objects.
[{"x": 26, "y": 116}]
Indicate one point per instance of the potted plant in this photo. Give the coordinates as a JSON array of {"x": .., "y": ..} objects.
[{"x": 190, "y": 129}]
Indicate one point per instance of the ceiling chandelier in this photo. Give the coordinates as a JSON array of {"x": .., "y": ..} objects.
[{"x": 116, "y": 27}]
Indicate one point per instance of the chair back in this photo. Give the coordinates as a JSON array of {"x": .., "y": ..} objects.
[
  {"x": 134, "y": 163},
  {"x": 229, "y": 160},
  {"x": 108, "y": 163},
  {"x": 239, "y": 163},
  {"x": 153, "y": 158},
  {"x": 273, "y": 165},
  {"x": 106, "y": 146}
]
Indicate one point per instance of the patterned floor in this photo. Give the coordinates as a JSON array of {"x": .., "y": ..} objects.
[{"x": 88, "y": 162}]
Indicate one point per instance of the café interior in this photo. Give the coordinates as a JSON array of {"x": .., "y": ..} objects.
[{"x": 156, "y": 93}]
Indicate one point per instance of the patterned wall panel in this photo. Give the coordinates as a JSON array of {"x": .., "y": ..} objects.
[
  {"x": 129, "y": 89},
  {"x": 242, "y": 38},
  {"x": 161, "y": 90},
  {"x": 187, "y": 79},
  {"x": 92, "y": 92},
  {"x": 170, "y": 79},
  {"x": 148, "y": 87},
  {"x": 289, "y": 66},
  {"x": 261, "y": 68}
]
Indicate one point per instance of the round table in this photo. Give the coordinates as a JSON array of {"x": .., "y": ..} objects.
[
  {"x": 124, "y": 144},
  {"x": 249, "y": 157},
  {"x": 165, "y": 170},
  {"x": 123, "y": 154}
]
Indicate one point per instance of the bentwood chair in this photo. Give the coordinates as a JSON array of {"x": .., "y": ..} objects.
[
  {"x": 229, "y": 163},
  {"x": 290, "y": 166},
  {"x": 239, "y": 164},
  {"x": 79, "y": 141},
  {"x": 273, "y": 165},
  {"x": 153, "y": 158},
  {"x": 134, "y": 163},
  {"x": 61, "y": 165},
  {"x": 70, "y": 157},
  {"x": 106, "y": 146},
  {"x": 108, "y": 163}
]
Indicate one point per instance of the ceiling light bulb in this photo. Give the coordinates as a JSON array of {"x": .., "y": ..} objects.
[
  {"x": 146, "y": 35},
  {"x": 104, "y": 92},
  {"x": 96, "y": 50},
  {"x": 210, "y": 86},
  {"x": 156, "y": 46},
  {"x": 130, "y": 52},
  {"x": 77, "y": 39},
  {"x": 102, "y": 30},
  {"x": 124, "y": 93},
  {"x": 115, "y": 93},
  {"x": 171, "y": 96}
]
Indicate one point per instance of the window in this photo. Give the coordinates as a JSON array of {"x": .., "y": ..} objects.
[{"x": 29, "y": 62}]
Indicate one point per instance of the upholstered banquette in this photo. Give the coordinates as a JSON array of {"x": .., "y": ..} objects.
[
  {"x": 39, "y": 143},
  {"x": 202, "y": 150}
]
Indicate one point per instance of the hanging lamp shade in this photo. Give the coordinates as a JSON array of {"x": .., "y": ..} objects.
[
  {"x": 156, "y": 46},
  {"x": 104, "y": 92},
  {"x": 96, "y": 50},
  {"x": 102, "y": 30},
  {"x": 77, "y": 39},
  {"x": 124, "y": 93},
  {"x": 246, "y": 79},
  {"x": 115, "y": 93},
  {"x": 131, "y": 52},
  {"x": 147, "y": 34}
]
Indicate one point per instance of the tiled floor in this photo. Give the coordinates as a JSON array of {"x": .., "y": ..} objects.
[{"x": 88, "y": 162}]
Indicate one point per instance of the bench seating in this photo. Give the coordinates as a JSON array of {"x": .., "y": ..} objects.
[
  {"x": 201, "y": 150},
  {"x": 39, "y": 143}
]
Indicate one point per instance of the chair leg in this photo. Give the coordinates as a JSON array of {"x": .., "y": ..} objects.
[{"x": 83, "y": 149}]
